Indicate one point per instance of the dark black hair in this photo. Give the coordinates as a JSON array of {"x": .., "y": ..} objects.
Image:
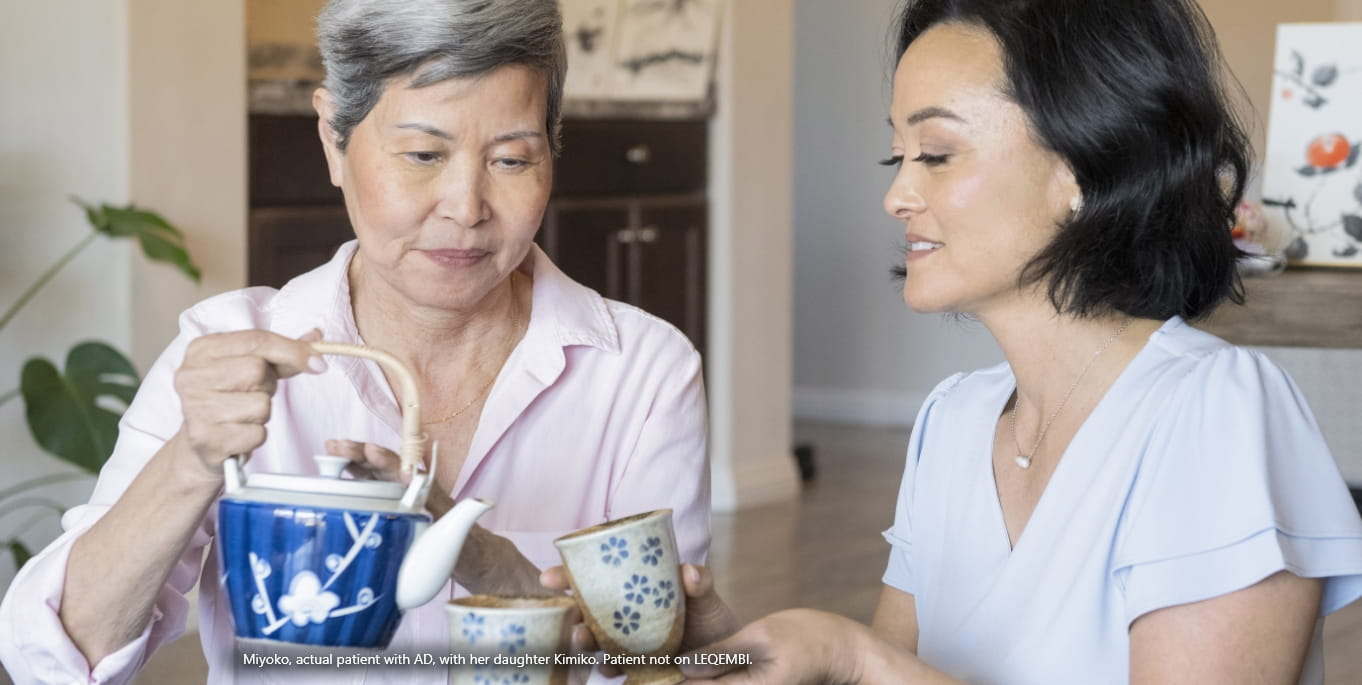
[{"x": 1128, "y": 94}]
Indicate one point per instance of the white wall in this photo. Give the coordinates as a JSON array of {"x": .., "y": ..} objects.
[
  {"x": 187, "y": 122},
  {"x": 860, "y": 355},
  {"x": 63, "y": 130},
  {"x": 750, "y": 248}
]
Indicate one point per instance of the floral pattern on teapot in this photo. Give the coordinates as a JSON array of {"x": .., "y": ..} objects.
[{"x": 308, "y": 599}]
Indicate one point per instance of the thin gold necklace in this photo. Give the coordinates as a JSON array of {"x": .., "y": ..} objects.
[
  {"x": 510, "y": 337},
  {"x": 1023, "y": 459}
]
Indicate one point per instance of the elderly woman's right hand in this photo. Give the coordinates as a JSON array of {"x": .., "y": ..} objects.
[{"x": 226, "y": 384}]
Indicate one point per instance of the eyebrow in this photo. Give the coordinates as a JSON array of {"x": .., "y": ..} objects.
[
  {"x": 929, "y": 113},
  {"x": 428, "y": 129},
  {"x": 517, "y": 135},
  {"x": 441, "y": 133}
]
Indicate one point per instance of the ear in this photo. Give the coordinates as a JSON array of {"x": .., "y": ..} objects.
[{"x": 321, "y": 101}]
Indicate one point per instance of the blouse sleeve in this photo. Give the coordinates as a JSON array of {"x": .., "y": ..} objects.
[
  {"x": 34, "y": 644},
  {"x": 669, "y": 465},
  {"x": 899, "y": 573},
  {"x": 1238, "y": 486}
]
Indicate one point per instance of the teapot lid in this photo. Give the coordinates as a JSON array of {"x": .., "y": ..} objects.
[
  {"x": 322, "y": 485},
  {"x": 326, "y": 490}
]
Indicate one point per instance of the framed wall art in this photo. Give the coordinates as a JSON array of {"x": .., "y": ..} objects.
[
  {"x": 666, "y": 49},
  {"x": 589, "y": 27},
  {"x": 1312, "y": 178},
  {"x": 641, "y": 50}
]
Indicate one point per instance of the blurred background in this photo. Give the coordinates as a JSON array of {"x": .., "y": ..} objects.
[{"x": 746, "y": 210}]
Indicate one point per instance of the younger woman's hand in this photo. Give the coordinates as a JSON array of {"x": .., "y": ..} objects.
[
  {"x": 807, "y": 647},
  {"x": 795, "y": 647}
]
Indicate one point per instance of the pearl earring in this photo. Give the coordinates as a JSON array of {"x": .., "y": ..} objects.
[{"x": 1076, "y": 204}]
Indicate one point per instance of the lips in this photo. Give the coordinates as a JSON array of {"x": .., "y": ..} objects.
[{"x": 456, "y": 257}]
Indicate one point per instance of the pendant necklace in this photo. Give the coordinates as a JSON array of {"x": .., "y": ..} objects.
[
  {"x": 510, "y": 339},
  {"x": 1023, "y": 459}
]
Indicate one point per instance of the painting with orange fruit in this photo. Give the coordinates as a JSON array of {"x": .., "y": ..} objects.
[{"x": 1312, "y": 178}]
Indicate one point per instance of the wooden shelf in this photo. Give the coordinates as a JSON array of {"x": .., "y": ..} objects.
[
  {"x": 638, "y": 109},
  {"x": 1298, "y": 308}
]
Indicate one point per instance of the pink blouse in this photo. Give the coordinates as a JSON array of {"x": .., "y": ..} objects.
[{"x": 598, "y": 413}]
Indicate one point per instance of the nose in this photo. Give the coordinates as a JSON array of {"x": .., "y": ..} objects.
[
  {"x": 902, "y": 200},
  {"x": 463, "y": 196}
]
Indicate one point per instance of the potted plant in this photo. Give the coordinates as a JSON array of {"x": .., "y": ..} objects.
[{"x": 66, "y": 410}]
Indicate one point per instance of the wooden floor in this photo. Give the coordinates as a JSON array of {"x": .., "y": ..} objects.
[
  {"x": 822, "y": 550},
  {"x": 825, "y": 551}
]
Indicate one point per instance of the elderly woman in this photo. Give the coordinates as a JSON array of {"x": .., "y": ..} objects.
[
  {"x": 439, "y": 120},
  {"x": 1126, "y": 499}
]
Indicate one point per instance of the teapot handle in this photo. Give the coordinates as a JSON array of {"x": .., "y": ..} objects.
[
  {"x": 233, "y": 476},
  {"x": 413, "y": 448}
]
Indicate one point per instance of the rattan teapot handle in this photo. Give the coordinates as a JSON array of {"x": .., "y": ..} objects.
[{"x": 413, "y": 448}]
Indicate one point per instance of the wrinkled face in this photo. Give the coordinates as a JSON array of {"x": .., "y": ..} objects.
[
  {"x": 446, "y": 185},
  {"x": 977, "y": 195}
]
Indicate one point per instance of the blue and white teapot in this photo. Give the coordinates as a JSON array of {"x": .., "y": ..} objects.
[{"x": 330, "y": 561}]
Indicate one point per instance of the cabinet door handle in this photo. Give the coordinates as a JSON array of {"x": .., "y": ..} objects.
[
  {"x": 647, "y": 234},
  {"x": 638, "y": 154},
  {"x": 626, "y": 235}
]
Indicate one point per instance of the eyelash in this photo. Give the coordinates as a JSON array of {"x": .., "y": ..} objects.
[
  {"x": 427, "y": 158},
  {"x": 924, "y": 158},
  {"x": 417, "y": 157}
]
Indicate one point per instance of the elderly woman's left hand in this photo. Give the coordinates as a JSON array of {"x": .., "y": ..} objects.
[
  {"x": 488, "y": 563},
  {"x": 369, "y": 461}
]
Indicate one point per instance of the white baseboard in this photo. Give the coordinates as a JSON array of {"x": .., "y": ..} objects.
[{"x": 857, "y": 407}]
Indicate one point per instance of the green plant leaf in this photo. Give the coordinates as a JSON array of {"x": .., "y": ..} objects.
[
  {"x": 160, "y": 241},
  {"x": 20, "y": 552},
  {"x": 63, "y": 410},
  {"x": 93, "y": 215}
]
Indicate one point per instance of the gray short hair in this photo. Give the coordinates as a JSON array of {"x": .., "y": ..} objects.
[{"x": 365, "y": 43}]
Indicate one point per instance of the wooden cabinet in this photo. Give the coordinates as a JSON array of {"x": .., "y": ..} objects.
[
  {"x": 649, "y": 252},
  {"x": 629, "y": 215},
  {"x": 287, "y": 241},
  {"x": 297, "y": 218}
]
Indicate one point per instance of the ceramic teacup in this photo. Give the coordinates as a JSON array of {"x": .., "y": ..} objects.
[
  {"x": 510, "y": 632},
  {"x": 627, "y": 580}
]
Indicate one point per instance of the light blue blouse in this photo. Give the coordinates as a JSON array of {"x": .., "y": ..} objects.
[{"x": 1200, "y": 472}]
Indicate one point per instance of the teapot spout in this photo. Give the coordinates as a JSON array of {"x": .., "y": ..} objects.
[{"x": 432, "y": 557}]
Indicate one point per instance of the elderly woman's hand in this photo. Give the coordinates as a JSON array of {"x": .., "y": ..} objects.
[
  {"x": 488, "y": 563},
  {"x": 226, "y": 385},
  {"x": 708, "y": 618},
  {"x": 368, "y": 460}
]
